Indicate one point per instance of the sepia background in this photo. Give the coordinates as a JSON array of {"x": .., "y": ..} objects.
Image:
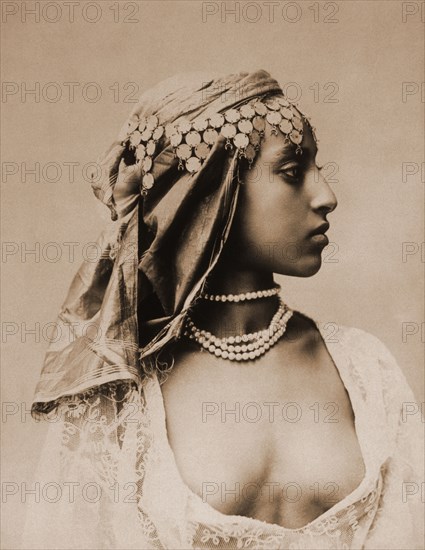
[{"x": 71, "y": 76}]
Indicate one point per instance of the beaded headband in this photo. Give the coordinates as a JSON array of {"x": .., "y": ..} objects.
[{"x": 242, "y": 127}]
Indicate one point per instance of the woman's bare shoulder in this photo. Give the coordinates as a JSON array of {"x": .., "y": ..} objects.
[{"x": 335, "y": 332}]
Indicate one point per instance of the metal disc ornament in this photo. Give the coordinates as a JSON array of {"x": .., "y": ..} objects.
[
  {"x": 283, "y": 101},
  {"x": 147, "y": 164},
  {"x": 146, "y": 135},
  {"x": 260, "y": 109},
  {"x": 217, "y": 120},
  {"x": 255, "y": 138},
  {"x": 157, "y": 133},
  {"x": 184, "y": 151},
  {"x": 200, "y": 125},
  {"x": 135, "y": 138},
  {"x": 228, "y": 131},
  {"x": 273, "y": 118},
  {"x": 232, "y": 116},
  {"x": 241, "y": 141},
  {"x": 273, "y": 104},
  {"x": 140, "y": 152},
  {"x": 295, "y": 137},
  {"x": 193, "y": 138},
  {"x": 152, "y": 122},
  {"x": 210, "y": 136},
  {"x": 150, "y": 147},
  {"x": 176, "y": 139},
  {"x": 202, "y": 150},
  {"x": 259, "y": 123},
  {"x": 193, "y": 164},
  {"x": 170, "y": 129},
  {"x": 297, "y": 123},
  {"x": 142, "y": 124},
  {"x": 148, "y": 181},
  {"x": 285, "y": 126},
  {"x": 245, "y": 126},
  {"x": 250, "y": 153},
  {"x": 247, "y": 111},
  {"x": 185, "y": 126},
  {"x": 286, "y": 113}
]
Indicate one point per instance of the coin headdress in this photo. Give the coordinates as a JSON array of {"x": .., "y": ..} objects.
[
  {"x": 171, "y": 182},
  {"x": 242, "y": 128}
]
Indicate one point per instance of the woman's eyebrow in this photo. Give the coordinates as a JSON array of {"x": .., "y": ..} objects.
[
  {"x": 288, "y": 152},
  {"x": 283, "y": 153}
]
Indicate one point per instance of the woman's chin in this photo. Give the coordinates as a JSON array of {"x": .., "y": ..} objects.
[
  {"x": 312, "y": 270},
  {"x": 302, "y": 268}
]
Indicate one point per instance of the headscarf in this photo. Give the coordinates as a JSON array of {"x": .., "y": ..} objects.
[{"x": 155, "y": 258}]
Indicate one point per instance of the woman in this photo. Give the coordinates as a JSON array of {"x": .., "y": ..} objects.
[{"x": 193, "y": 408}]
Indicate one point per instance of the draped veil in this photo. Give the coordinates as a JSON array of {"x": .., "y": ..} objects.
[{"x": 156, "y": 255}]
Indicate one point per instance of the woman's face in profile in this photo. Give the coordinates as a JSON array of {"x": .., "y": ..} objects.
[{"x": 283, "y": 200}]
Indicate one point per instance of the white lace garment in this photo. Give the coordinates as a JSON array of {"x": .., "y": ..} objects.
[{"x": 109, "y": 479}]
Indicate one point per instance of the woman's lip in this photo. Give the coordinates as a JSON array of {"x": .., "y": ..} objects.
[
  {"x": 320, "y": 229},
  {"x": 320, "y": 238}
]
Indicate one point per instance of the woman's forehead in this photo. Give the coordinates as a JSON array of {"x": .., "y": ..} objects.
[{"x": 275, "y": 145}]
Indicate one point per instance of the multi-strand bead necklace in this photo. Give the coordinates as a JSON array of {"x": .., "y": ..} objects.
[{"x": 244, "y": 347}]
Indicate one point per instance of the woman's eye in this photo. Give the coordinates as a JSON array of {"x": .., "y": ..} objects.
[{"x": 292, "y": 171}]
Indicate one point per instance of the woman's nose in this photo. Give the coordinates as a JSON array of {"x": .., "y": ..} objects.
[{"x": 322, "y": 196}]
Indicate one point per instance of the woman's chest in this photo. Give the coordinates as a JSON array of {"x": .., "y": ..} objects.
[{"x": 277, "y": 449}]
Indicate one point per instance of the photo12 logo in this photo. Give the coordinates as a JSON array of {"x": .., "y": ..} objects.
[
  {"x": 68, "y": 92},
  {"x": 70, "y": 12},
  {"x": 270, "y": 12}
]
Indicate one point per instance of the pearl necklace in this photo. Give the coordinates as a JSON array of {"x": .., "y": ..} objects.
[
  {"x": 241, "y": 297},
  {"x": 246, "y": 346}
]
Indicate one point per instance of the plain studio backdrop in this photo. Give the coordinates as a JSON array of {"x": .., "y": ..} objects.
[{"x": 71, "y": 73}]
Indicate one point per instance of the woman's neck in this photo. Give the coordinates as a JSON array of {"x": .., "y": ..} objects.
[{"x": 225, "y": 319}]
